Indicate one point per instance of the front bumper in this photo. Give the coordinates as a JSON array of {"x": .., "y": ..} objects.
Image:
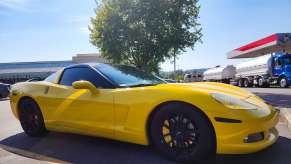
[{"x": 232, "y": 138}]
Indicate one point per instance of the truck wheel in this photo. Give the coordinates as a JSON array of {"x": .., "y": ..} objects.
[
  {"x": 246, "y": 83},
  {"x": 283, "y": 82},
  {"x": 261, "y": 82},
  {"x": 240, "y": 82}
]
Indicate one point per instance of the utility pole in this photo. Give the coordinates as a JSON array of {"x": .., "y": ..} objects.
[{"x": 174, "y": 64}]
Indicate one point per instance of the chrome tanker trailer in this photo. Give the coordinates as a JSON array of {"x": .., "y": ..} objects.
[{"x": 220, "y": 74}]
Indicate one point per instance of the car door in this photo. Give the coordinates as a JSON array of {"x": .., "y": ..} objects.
[{"x": 79, "y": 110}]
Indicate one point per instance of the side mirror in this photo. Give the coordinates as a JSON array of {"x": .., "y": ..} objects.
[{"x": 85, "y": 85}]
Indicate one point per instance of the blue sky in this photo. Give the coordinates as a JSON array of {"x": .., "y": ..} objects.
[{"x": 37, "y": 30}]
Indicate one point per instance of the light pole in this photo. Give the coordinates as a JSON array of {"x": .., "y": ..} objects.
[{"x": 174, "y": 63}]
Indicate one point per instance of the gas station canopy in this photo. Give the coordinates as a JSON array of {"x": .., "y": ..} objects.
[{"x": 274, "y": 43}]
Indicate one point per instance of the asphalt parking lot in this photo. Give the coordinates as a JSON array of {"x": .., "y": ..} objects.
[
  {"x": 279, "y": 97},
  {"x": 16, "y": 147}
]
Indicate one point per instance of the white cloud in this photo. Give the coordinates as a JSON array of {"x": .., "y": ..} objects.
[{"x": 15, "y": 4}]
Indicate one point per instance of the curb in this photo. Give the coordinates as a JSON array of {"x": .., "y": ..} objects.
[
  {"x": 285, "y": 114},
  {"x": 16, "y": 155}
]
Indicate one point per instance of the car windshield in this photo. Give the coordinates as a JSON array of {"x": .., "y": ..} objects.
[{"x": 127, "y": 76}]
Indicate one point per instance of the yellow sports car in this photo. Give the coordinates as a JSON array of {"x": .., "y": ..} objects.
[{"x": 185, "y": 122}]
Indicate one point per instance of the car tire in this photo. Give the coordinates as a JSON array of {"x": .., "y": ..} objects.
[
  {"x": 31, "y": 118},
  {"x": 182, "y": 133}
]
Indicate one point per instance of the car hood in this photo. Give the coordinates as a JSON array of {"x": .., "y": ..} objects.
[{"x": 211, "y": 87}]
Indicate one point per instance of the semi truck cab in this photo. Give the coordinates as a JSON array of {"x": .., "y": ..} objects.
[{"x": 282, "y": 69}]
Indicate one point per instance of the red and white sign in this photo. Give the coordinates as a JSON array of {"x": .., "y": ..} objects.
[{"x": 270, "y": 44}]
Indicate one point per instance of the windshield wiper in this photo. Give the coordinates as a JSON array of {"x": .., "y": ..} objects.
[{"x": 143, "y": 85}]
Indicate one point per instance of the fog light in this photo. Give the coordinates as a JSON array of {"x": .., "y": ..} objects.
[{"x": 254, "y": 137}]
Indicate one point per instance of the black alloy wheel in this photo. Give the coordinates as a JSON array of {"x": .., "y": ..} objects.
[
  {"x": 31, "y": 118},
  {"x": 182, "y": 133}
]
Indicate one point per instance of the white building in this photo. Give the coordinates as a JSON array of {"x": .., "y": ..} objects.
[{"x": 22, "y": 71}]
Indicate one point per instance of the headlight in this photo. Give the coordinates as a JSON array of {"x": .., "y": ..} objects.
[{"x": 232, "y": 102}]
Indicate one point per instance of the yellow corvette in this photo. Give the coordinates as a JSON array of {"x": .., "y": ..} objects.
[{"x": 185, "y": 122}]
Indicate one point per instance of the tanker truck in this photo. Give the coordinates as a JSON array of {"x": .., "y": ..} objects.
[
  {"x": 271, "y": 64},
  {"x": 264, "y": 71},
  {"x": 223, "y": 74}
]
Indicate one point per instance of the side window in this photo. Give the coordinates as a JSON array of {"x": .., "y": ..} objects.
[
  {"x": 278, "y": 62},
  {"x": 54, "y": 77},
  {"x": 71, "y": 75},
  {"x": 51, "y": 78}
]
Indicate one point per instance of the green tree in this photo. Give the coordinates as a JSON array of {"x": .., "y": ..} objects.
[{"x": 144, "y": 33}]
